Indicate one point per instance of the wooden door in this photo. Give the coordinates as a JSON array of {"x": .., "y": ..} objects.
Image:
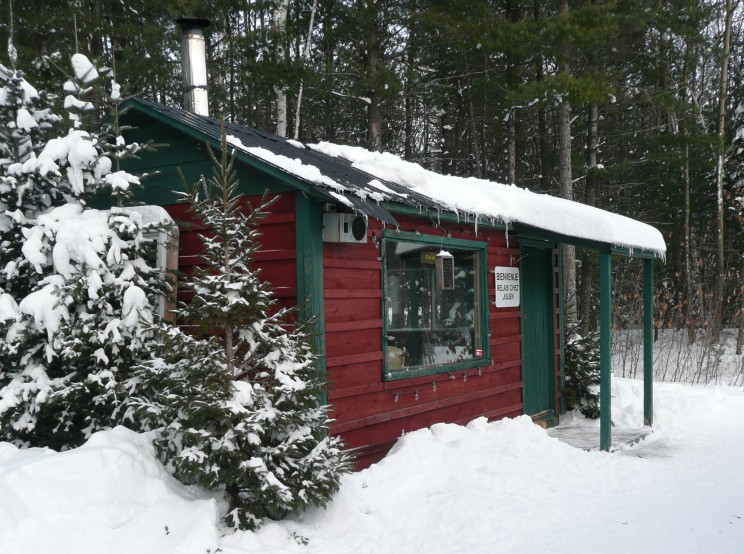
[{"x": 538, "y": 332}]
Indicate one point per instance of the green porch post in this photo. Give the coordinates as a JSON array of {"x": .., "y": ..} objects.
[
  {"x": 310, "y": 291},
  {"x": 648, "y": 342},
  {"x": 605, "y": 334}
]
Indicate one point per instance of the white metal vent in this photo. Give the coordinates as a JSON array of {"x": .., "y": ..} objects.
[{"x": 344, "y": 228}]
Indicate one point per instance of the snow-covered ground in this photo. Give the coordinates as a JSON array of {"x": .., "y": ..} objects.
[{"x": 498, "y": 487}]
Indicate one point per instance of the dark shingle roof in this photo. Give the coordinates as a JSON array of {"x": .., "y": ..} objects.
[{"x": 356, "y": 187}]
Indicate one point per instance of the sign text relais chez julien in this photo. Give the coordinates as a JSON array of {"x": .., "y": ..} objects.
[{"x": 507, "y": 287}]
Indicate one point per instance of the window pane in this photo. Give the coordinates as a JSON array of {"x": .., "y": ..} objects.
[{"x": 430, "y": 321}]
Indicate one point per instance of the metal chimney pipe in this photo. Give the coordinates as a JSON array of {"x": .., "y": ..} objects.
[{"x": 194, "y": 64}]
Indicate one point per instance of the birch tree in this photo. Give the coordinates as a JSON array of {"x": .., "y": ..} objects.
[{"x": 280, "y": 28}]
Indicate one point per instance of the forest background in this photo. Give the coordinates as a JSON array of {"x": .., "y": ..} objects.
[{"x": 630, "y": 105}]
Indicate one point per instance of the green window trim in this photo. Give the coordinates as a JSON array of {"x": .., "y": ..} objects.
[{"x": 481, "y": 301}]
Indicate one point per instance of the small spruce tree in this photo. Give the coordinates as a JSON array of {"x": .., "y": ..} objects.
[
  {"x": 582, "y": 372},
  {"x": 246, "y": 418},
  {"x": 28, "y": 179}
]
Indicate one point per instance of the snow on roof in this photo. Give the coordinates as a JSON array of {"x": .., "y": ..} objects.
[
  {"x": 495, "y": 201},
  {"x": 363, "y": 180}
]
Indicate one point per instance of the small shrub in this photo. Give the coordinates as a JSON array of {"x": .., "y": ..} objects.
[{"x": 582, "y": 372}]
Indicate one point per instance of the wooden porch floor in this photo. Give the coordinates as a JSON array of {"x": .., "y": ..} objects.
[{"x": 586, "y": 437}]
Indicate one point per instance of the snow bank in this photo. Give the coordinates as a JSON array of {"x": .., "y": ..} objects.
[
  {"x": 509, "y": 487},
  {"x": 487, "y": 487},
  {"x": 109, "y": 495}
]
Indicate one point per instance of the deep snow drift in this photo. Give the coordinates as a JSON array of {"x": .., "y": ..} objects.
[{"x": 498, "y": 487}]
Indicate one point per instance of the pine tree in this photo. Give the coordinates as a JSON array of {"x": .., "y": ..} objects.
[
  {"x": 246, "y": 417},
  {"x": 27, "y": 180},
  {"x": 582, "y": 372},
  {"x": 79, "y": 288}
]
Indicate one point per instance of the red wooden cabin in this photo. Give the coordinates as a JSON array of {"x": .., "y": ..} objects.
[{"x": 424, "y": 312}]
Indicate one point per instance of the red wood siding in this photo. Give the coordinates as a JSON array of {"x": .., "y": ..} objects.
[
  {"x": 277, "y": 259},
  {"x": 370, "y": 413}
]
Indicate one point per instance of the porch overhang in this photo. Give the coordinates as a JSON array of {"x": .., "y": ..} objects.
[{"x": 606, "y": 251}]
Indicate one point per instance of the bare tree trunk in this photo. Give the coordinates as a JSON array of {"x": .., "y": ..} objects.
[
  {"x": 542, "y": 125},
  {"x": 374, "y": 122},
  {"x": 408, "y": 91},
  {"x": 564, "y": 176},
  {"x": 409, "y": 101},
  {"x": 305, "y": 55},
  {"x": 688, "y": 71},
  {"x": 280, "y": 24},
  {"x": 373, "y": 66},
  {"x": 590, "y": 198},
  {"x": 689, "y": 290},
  {"x": 721, "y": 150},
  {"x": 329, "y": 46},
  {"x": 472, "y": 125},
  {"x": 566, "y": 184},
  {"x": 511, "y": 129},
  {"x": 512, "y": 13},
  {"x": 408, "y": 139}
]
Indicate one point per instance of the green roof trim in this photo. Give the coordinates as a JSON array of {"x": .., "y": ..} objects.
[
  {"x": 202, "y": 136},
  {"x": 527, "y": 232}
]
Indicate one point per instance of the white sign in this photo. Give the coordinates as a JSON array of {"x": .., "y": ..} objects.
[{"x": 507, "y": 287}]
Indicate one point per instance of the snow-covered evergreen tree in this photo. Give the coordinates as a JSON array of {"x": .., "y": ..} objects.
[
  {"x": 27, "y": 178},
  {"x": 581, "y": 391},
  {"x": 248, "y": 418},
  {"x": 77, "y": 289}
]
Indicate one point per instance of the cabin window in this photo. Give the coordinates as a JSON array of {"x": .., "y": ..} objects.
[{"x": 435, "y": 309}]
